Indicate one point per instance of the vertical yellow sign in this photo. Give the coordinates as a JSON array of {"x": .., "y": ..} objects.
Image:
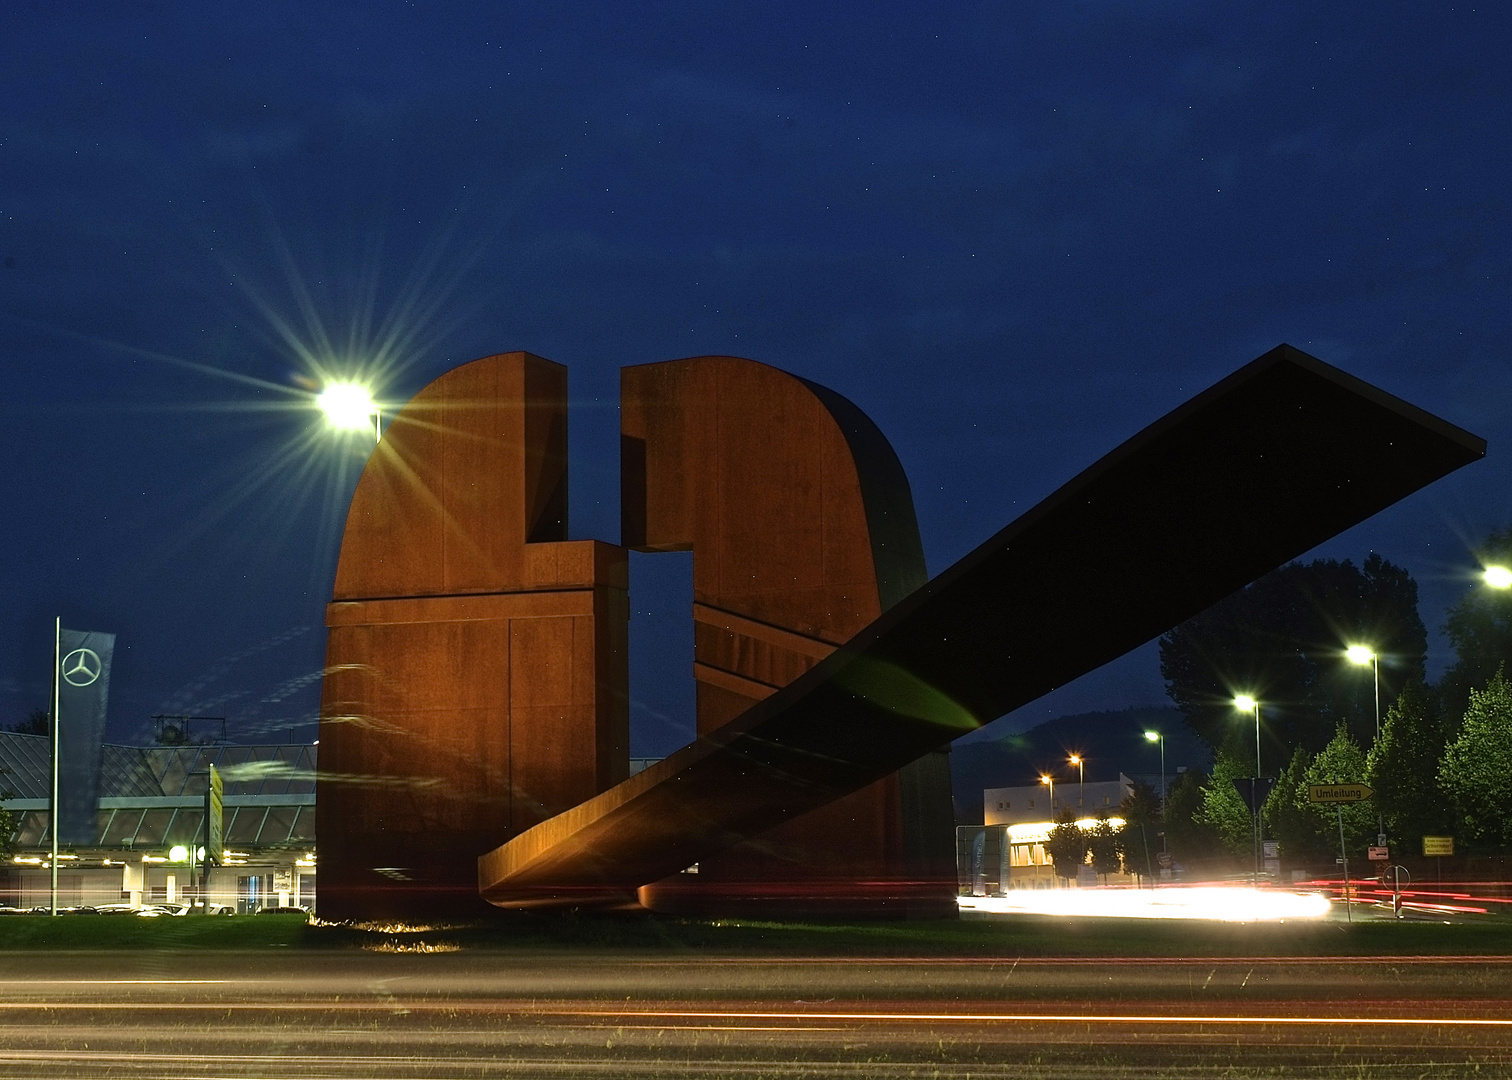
[{"x": 215, "y": 844}]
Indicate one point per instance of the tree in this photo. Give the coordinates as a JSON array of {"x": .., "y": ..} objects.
[
  {"x": 1067, "y": 846},
  {"x": 1479, "y": 627},
  {"x": 1477, "y": 764},
  {"x": 37, "y": 722},
  {"x": 1289, "y": 815},
  {"x": 1186, "y": 836},
  {"x": 1340, "y": 762},
  {"x": 1282, "y": 640},
  {"x": 1223, "y": 809},
  {"x": 1402, "y": 766},
  {"x": 1107, "y": 847},
  {"x": 1140, "y": 810}
]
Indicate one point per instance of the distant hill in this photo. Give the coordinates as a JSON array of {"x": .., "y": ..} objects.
[{"x": 1110, "y": 743}]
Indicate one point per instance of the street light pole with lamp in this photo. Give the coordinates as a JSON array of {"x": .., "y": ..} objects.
[
  {"x": 1248, "y": 704},
  {"x": 1362, "y": 655},
  {"x": 1045, "y": 779},
  {"x": 1155, "y": 736},
  {"x": 1081, "y": 774}
]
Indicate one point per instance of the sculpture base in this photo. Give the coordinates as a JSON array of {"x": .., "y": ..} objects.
[{"x": 685, "y": 894}]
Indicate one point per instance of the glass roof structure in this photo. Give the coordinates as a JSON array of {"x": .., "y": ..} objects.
[{"x": 152, "y": 796}]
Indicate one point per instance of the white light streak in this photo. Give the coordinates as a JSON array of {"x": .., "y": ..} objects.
[{"x": 1220, "y": 904}]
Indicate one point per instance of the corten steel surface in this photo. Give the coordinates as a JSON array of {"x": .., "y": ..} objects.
[
  {"x": 1274, "y": 459},
  {"x": 802, "y": 529},
  {"x": 476, "y": 663}
]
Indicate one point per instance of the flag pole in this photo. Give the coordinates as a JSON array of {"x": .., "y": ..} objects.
[{"x": 53, "y": 811}]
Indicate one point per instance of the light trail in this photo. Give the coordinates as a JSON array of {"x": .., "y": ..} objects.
[
  {"x": 806, "y": 1018},
  {"x": 1052, "y": 1018},
  {"x": 1217, "y": 904}
]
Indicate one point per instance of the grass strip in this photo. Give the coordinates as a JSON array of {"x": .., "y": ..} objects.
[{"x": 1008, "y": 936}]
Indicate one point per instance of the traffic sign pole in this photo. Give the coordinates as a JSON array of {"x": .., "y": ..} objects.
[{"x": 1344, "y": 858}]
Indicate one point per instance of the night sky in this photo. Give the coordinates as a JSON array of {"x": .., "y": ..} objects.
[{"x": 1012, "y": 234}]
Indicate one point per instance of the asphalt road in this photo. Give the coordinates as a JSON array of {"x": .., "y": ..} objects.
[{"x": 275, "y": 1014}]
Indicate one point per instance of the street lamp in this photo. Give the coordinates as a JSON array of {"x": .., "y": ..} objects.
[
  {"x": 1248, "y": 704},
  {"x": 1362, "y": 655},
  {"x": 1047, "y": 780},
  {"x": 1155, "y": 736},
  {"x": 348, "y": 406},
  {"x": 1081, "y": 779},
  {"x": 1498, "y": 577}
]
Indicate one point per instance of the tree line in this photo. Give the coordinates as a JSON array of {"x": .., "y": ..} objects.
[{"x": 1441, "y": 762}]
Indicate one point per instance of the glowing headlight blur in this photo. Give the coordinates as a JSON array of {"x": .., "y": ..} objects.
[{"x": 1238, "y": 904}]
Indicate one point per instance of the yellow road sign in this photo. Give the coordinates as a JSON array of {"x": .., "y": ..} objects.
[
  {"x": 1438, "y": 845},
  {"x": 1338, "y": 793}
]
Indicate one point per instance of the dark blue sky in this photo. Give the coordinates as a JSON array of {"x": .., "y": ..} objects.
[{"x": 1013, "y": 234}]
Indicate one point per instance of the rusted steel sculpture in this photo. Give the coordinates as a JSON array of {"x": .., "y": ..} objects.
[
  {"x": 473, "y": 734},
  {"x": 476, "y": 663},
  {"x": 1278, "y": 457},
  {"x": 802, "y": 529}
]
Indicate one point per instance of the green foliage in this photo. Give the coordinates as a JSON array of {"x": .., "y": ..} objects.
[
  {"x": 1067, "y": 846},
  {"x": 1186, "y": 836},
  {"x": 1402, "y": 768},
  {"x": 10, "y": 820},
  {"x": 1107, "y": 847},
  {"x": 1476, "y": 772},
  {"x": 1290, "y": 817},
  {"x": 1141, "y": 806},
  {"x": 1282, "y": 640},
  {"x": 1479, "y": 627},
  {"x": 1341, "y": 762},
  {"x": 1223, "y": 810},
  {"x": 37, "y": 722}
]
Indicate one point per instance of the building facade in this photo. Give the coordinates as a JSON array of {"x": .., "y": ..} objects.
[{"x": 153, "y": 800}]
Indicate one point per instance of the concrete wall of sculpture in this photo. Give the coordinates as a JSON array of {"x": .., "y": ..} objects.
[
  {"x": 476, "y": 660},
  {"x": 802, "y": 529},
  {"x": 476, "y": 676}
]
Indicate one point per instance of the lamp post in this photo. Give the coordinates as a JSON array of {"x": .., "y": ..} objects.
[
  {"x": 1081, "y": 780},
  {"x": 1362, "y": 655},
  {"x": 1248, "y": 703},
  {"x": 1155, "y": 736},
  {"x": 1044, "y": 779}
]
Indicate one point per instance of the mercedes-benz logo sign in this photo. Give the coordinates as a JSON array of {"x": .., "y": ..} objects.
[{"x": 81, "y": 667}]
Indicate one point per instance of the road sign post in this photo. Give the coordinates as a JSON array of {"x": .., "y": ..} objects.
[
  {"x": 1336, "y": 795},
  {"x": 1438, "y": 846},
  {"x": 1329, "y": 794},
  {"x": 1254, "y": 790}
]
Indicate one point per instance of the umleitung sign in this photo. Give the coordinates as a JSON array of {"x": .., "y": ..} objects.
[{"x": 1338, "y": 793}]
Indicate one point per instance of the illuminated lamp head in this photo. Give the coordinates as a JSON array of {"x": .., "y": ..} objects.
[
  {"x": 1360, "y": 654},
  {"x": 348, "y": 406}
]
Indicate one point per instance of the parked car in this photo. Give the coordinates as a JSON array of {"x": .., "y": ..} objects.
[
  {"x": 202, "y": 907},
  {"x": 153, "y": 911},
  {"x": 116, "y": 909}
]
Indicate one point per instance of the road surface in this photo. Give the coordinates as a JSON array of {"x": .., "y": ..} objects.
[{"x": 277, "y": 1013}]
